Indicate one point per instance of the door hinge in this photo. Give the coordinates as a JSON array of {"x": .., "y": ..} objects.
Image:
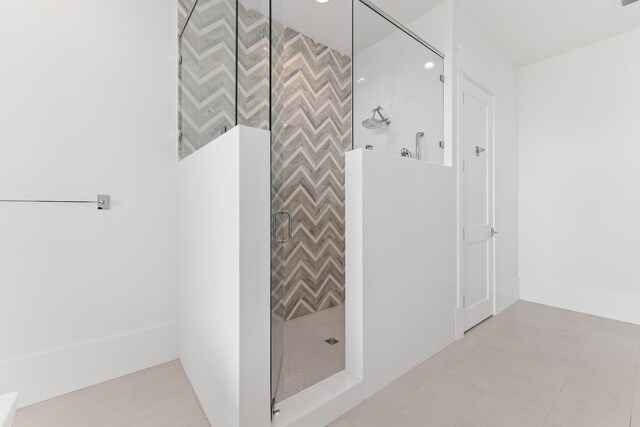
[
  {"x": 463, "y": 233},
  {"x": 442, "y": 78},
  {"x": 180, "y": 60}
]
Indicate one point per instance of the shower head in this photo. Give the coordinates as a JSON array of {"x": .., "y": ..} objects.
[{"x": 374, "y": 123}]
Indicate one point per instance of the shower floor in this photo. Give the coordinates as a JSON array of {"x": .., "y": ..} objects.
[{"x": 308, "y": 359}]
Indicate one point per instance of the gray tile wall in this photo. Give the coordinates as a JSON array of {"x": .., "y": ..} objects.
[{"x": 311, "y": 131}]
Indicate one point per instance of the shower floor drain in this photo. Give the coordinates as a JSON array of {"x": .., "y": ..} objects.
[{"x": 331, "y": 341}]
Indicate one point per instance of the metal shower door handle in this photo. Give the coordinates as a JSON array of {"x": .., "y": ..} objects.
[
  {"x": 419, "y": 137},
  {"x": 493, "y": 232},
  {"x": 275, "y": 227}
]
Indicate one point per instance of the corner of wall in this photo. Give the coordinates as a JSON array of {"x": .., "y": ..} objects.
[{"x": 47, "y": 375}]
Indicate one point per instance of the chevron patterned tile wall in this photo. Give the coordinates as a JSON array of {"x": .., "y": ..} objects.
[
  {"x": 311, "y": 131},
  {"x": 207, "y": 74},
  {"x": 253, "y": 68}
]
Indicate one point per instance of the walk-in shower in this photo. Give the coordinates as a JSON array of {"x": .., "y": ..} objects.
[{"x": 286, "y": 66}]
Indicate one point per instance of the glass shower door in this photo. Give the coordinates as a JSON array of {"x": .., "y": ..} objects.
[
  {"x": 310, "y": 133},
  {"x": 279, "y": 240}
]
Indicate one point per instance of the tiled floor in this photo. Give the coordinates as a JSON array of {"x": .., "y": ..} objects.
[
  {"x": 156, "y": 397},
  {"x": 529, "y": 366},
  {"x": 308, "y": 359}
]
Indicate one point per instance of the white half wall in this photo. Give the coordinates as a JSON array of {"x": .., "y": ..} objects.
[
  {"x": 224, "y": 264},
  {"x": 579, "y": 174},
  {"x": 87, "y": 106},
  {"x": 400, "y": 276},
  {"x": 401, "y": 266}
]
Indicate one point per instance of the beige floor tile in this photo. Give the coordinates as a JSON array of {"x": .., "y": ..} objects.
[
  {"x": 583, "y": 405},
  {"x": 563, "y": 344},
  {"x": 570, "y": 367},
  {"x": 613, "y": 376},
  {"x": 529, "y": 366},
  {"x": 160, "y": 396},
  {"x": 484, "y": 370},
  {"x": 541, "y": 369},
  {"x": 512, "y": 402},
  {"x": 575, "y": 322},
  {"x": 616, "y": 327},
  {"x": 441, "y": 401},
  {"x": 635, "y": 413},
  {"x": 370, "y": 414},
  {"x": 612, "y": 345}
]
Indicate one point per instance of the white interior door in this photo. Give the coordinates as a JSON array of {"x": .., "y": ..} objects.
[{"x": 477, "y": 157}]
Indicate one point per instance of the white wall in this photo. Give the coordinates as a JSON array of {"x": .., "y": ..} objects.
[
  {"x": 403, "y": 270},
  {"x": 579, "y": 136},
  {"x": 224, "y": 276},
  {"x": 397, "y": 81},
  {"x": 483, "y": 61},
  {"x": 87, "y": 106}
]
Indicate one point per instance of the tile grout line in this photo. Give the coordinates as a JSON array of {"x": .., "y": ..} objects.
[
  {"x": 635, "y": 386},
  {"x": 492, "y": 385},
  {"x": 569, "y": 374}
]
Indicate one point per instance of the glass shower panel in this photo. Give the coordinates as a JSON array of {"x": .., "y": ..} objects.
[
  {"x": 310, "y": 131},
  {"x": 400, "y": 75},
  {"x": 207, "y": 74},
  {"x": 253, "y": 63}
]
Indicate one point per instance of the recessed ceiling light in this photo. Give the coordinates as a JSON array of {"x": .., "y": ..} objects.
[
  {"x": 361, "y": 80},
  {"x": 429, "y": 65},
  {"x": 322, "y": 1}
]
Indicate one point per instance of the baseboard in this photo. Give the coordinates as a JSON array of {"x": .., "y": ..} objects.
[
  {"x": 47, "y": 375},
  {"x": 507, "y": 294},
  {"x": 612, "y": 305}
]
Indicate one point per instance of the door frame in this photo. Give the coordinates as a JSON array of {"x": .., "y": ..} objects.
[{"x": 473, "y": 70}]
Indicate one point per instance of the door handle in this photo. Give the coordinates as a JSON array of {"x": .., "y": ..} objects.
[
  {"x": 419, "y": 136},
  {"x": 480, "y": 150},
  {"x": 493, "y": 232},
  {"x": 275, "y": 227}
]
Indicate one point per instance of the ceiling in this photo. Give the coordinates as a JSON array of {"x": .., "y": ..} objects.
[
  {"x": 406, "y": 11},
  {"x": 526, "y": 30},
  {"x": 529, "y": 31},
  {"x": 330, "y": 23}
]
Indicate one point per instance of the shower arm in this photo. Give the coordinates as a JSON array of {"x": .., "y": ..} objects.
[{"x": 379, "y": 111}]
